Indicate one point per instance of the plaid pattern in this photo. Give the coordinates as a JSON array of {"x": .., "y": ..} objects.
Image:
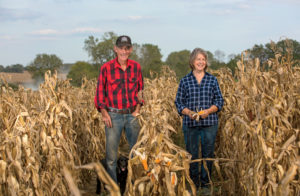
[
  {"x": 117, "y": 88},
  {"x": 193, "y": 96}
]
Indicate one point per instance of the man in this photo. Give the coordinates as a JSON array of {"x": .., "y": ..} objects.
[{"x": 119, "y": 82}]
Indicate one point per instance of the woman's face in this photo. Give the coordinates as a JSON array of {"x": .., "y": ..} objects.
[{"x": 200, "y": 62}]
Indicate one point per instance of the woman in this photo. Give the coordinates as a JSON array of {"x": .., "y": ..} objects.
[{"x": 199, "y": 91}]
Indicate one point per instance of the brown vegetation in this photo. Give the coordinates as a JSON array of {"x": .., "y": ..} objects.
[
  {"x": 17, "y": 78},
  {"x": 51, "y": 139},
  {"x": 23, "y": 78}
]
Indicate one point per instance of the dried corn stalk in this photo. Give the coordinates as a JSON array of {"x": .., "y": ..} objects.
[{"x": 56, "y": 127}]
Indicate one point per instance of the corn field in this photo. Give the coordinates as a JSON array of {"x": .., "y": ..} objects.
[{"x": 52, "y": 139}]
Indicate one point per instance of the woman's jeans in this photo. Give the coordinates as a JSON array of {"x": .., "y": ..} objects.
[
  {"x": 131, "y": 127},
  {"x": 191, "y": 138}
]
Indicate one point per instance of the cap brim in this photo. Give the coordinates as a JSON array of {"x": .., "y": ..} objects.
[{"x": 124, "y": 44}]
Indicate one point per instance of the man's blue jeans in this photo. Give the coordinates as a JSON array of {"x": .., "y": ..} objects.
[
  {"x": 191, "y": 138},
  {"x": 131, "y": 127}
]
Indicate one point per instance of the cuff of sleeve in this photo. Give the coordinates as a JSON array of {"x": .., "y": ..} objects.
[
  {"x": 219, "y": 107},
  {"x": 142, "y": 102},
  {"x": 180, "y": 111},
  {"x": 101, "y": 106}
]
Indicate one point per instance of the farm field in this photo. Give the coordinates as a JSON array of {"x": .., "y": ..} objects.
[
  {"x": 17, "y": 78},
  {"x": 25, "y": 78},
  {"x": 52, "y": 139}
]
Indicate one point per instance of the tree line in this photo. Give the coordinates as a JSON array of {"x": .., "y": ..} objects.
[
  {"x": 149, "y": 56},
  {"x": 16, "y": 68}
]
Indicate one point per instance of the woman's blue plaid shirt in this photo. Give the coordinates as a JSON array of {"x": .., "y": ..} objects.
[{"x": 196, "y": 96}]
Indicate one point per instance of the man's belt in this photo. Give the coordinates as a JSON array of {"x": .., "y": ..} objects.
[{"x": 122, "y": 111}]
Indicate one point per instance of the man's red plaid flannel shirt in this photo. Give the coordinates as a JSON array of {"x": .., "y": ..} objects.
[{"x": 117, "y": 88}]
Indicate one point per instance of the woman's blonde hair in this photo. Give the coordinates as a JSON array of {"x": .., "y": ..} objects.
[{"x": 194, "y": 54}]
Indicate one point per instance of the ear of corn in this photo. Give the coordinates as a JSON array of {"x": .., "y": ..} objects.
[{"x": 200, "y": 112}]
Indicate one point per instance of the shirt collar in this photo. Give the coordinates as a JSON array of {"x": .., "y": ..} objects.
[
  {"x": 118, "y": 64},
  {"x": 191, "y": 75}
]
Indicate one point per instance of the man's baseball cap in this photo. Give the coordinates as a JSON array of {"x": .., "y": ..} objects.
[{"x": 123, "y": 40}]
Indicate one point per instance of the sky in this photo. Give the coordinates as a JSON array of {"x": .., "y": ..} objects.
[{"x": 60, "y": 27}]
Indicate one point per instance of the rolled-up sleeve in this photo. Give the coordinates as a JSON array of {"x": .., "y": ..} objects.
[
  {"x": 180, "y": 100},
  {"x": 101, "y": 90},
  {"x": 217, "y": 98}
]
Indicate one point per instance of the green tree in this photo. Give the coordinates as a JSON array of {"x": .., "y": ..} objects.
[
  {"x": 43, "y": 63},
  {"x": 16, "y": 68},
  {"x": 1, "y": 68},
  {"x": 149, "y": 56},
  {"x": 216, "y": 61},
  {"x": 267, "y": 51},
  {"x": 179, "y": 62},
  {"x": 284, "y": 47},
  {"x": 232, "y": 64},
  {"x": 210, "y": 57},
  {"x": 261, "y": 52},
  {"x": 80, "y": 70},
  {"x": 102, "y": 50}
]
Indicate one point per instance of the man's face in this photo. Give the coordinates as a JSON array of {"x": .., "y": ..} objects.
[{"x": 123, "y": 52}]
